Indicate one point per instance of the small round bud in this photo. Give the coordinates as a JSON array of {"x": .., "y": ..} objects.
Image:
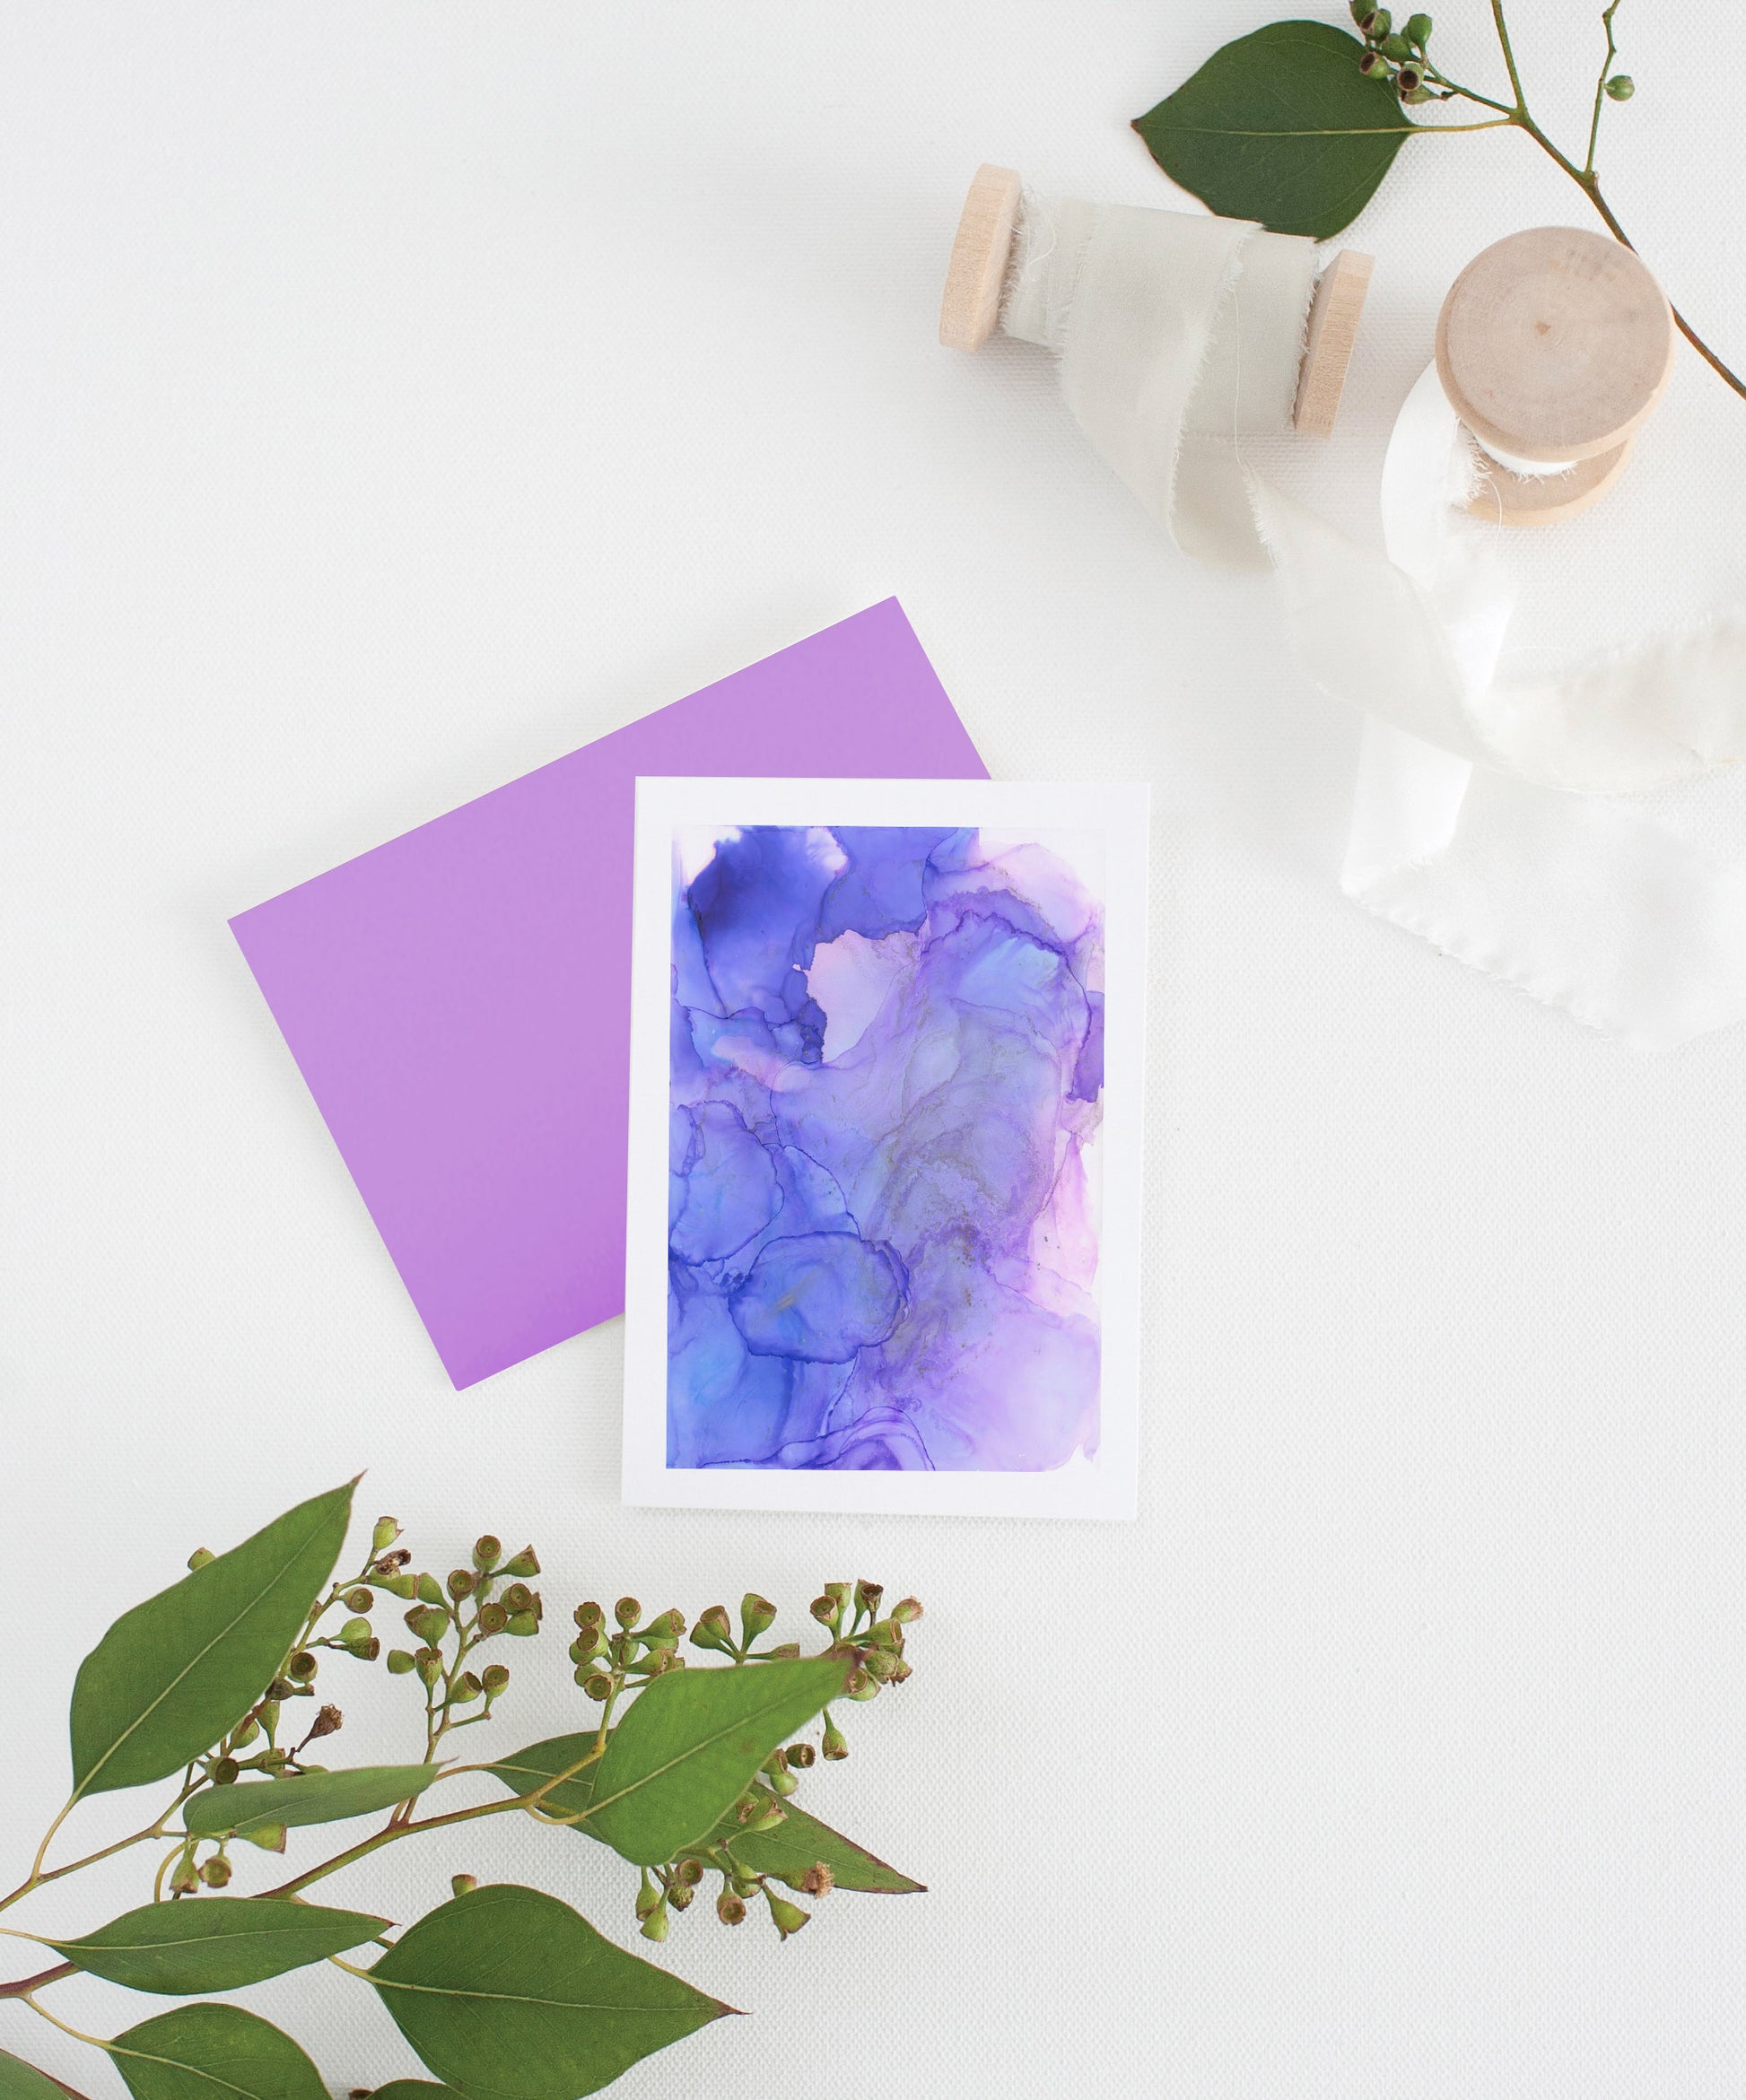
[
  {"x": 1371, "y": 63},
  {"x": 757, "y": 1614},
  {"x": 302, "y": 1666},
  {"x": 201, "y": 1557},
  {"x": 688, "y": 1873},
  {"x": 654, "y": 1926},
  {"x": 784, "y": 1782},
  {"x": 244, "y": 1732},
  {"x": 666, "y": 1628},
  {"x": 526, "y": 1562},
  {"x": 788, "y": 1918},
  {"x": 468, "y": 1689},
  {"x": 1377, "y": 23},
  {"x": 354, "y": 1630},
  {"x": 399, "y": 1661},
  {"x": 216, "y": 1871},
  {"x": 1417, "y": 95},
  {"x": 397, "y": 1585},
  {"x": 598, "y": 1687},
  {"x": 269, "y": 1712},
  {"x": 488, "y": 1552},
  {"x": 280, "y": 1688},
  {"x": 387, "y": 1531},
  {"x": 801, "y": 1755},
  {"x": 224, "y": 1773},
  {"x": 494, "y": 1677},
  {"x": 730, "y": 1908},
  {"x": 818, "y": 1879},
  {"x": 493, "y": 1618},
  {"x": 880, "y": 1664},
  {"x": 834, "y": 1744},
  {"x": 186, "y": 1879},
  {"x": 463, "y": 1884},
  {"x": 713, "y": 1629},
  {"x": 1419, "y": 30},
  {"x": 522, "y": 1624},
  {"x": 269, "y": 1837},
  {"x": 429, "y": 1621},
  {"x": 430, "y": 1665},
  {"x": 648, "y": 1896},
  {"x": 462, "y": 1582},
  {"x": 1621, "y": 87},
  {"x": 360, "y": 1599},
  {"x": 789, "y": 1651},
  {"x": 907, "y": 1612},
  {"x": 429, "y": 1590}
]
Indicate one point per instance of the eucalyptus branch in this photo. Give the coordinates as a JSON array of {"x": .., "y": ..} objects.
[{"x": 1601, "y": 96}]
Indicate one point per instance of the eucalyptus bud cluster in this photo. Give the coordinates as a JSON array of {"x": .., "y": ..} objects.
[{"x": 1397, "y": 57}]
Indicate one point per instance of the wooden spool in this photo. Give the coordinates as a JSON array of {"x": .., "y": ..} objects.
[
  {"x": 1553, "y": 346},
  {"x": 976, "y": 275}
]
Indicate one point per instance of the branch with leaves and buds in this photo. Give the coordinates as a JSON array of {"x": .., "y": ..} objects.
[
  {"x": 1297, "y": 124},
  {"x": 683, "y": 1773}
]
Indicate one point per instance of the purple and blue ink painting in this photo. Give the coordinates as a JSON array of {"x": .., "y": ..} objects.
[{"x": 884, "y": 1178}]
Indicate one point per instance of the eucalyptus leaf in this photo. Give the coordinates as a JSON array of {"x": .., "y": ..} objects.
[
  {"x": 411, "y": 2089},
  {"x": 315, "y": 1797},
  {"x": 507, "y": 1994},
  {"x": 1280, "y": 126},
  {"x": 214, "y": 1943},
  {"x": 172, "y": 1675},
  {"x": 691, "y": 1744},
  {"x": 787, "y": 1853},
  {"x": 798, "y": 1842},
  {"x": 213, "y": 2052},
  {"x": 20, "y": 2080}
]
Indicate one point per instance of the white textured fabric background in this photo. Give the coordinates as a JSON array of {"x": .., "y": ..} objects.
[{"x": 392, "y": 397}]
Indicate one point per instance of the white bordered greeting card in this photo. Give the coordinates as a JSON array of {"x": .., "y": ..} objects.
[{"x": 887, "y": 1050}]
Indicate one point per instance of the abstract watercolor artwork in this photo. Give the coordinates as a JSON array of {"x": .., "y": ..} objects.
[{"x": 892, "y": 1273}]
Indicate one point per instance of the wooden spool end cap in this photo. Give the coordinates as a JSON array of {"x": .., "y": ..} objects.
[
  {"x": 1555, "y": 344},
  {"x": 1504, "y": 498},
  {"x": 1329, "y": 340},
  {"x": 970, "y": 308}
]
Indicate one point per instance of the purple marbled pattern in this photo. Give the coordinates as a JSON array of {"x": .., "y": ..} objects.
[{"x": 886, "y": 1076}]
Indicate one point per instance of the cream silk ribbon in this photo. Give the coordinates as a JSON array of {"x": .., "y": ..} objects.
[{"x": 1515, "y": 825}]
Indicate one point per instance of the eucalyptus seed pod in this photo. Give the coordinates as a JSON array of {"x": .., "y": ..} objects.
[
  {"x": 589, "y": 1614},
  {"x": 522, "y": 1624},
  {"x": 757, "y": 1614},
  {"x": 648, "y": 1896},
  {"x": 280, "y": 1688},
  {"x": 429, "y": 1621},
  {"x": 269, "y": 1837},
  {"x": 748, "y": 1806},
  {"x": 784, "y": 1782},
  {"x": 396, "y": 1584},
  {"x": 400, "y": 1661},
  {"x": 836, "y": 1745},
  {"x": 773, "y": 1815},
  {"x": 713, "y": 1629},
  {"x": 269, "y": 1712},
  {"x": 1419, "y": 30},
  {"x": 679, "y": 1898},
  {"x": 327, "y": 1723},
  {"x": 1417, "y": 95},
  {"x": 627, "y": 1611},
  {"x": 654, "y": 1926},
  {"x": 1377, "y": 23},
  {"x": 667, "y": 1629},
  {"x": 201, "y": 1557},
  {"x": 367, "y": 1651},
  {"x": 1621, "y": 87},
  {"x": 880, "y": 1664},
  {"x": 801, "y": 1755},
  {"x": 1409, "y": 81},
  {"x": 462, "y": 1582},
  {"x": 463, "y": 1884},
  {"x": 386, "y": 1532},
  {"x": 302, "y": 1666},
  {"x": 825, "y": 1609},
  {"x": 840, "y": 1591},
  {"x": 788, "y": 1918},
  {"x": 1373, "y": 63},
  {"x": 526, "y": 1562},
  {"x": 429, "y": 1590},
  {"x": 354, "y": 1630},
  {"x": 468, "y": 1689},
  {"x": 789, "y": 1651},
  {"x": 245, "y": 1731},
  {"x": 186, "y": 1879},
  {"x": 488, "y": 1552},
  {"x": 730, "y": 1908},
  {"x": 817, "y": 1879},
  {"x": 907, "y": 1611},
  {"x": 430, "y": 1665},
  {"x": 224, "y": 1772},
  {"x": 493, "y": 1618},
  {"x": 216, "y": 1871},
  {"x": 494, "y": 1677},
  {"x": 868, "y": 1596},
  {"x": 688, "y": 1873},
  {"x": 598, "y": 1686}
]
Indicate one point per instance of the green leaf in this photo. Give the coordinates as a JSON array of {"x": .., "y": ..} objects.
[
  {"x": 691, "y": 1744},
  {"x": 1280, "y": 126},
  {"x": 411, "y": 2089},
  {"x": 213, "y": 2052},
  {"x": 20, "y": 2080},
  {"x": 798, "y": 1842},
  {"x": 787, "y": 1852},
  {"x": 170, "y": 1676},
  {"x": 214, "y": 1943},
  {"x": 507, "y": 1994},
  {"x": 315, "y": 1797},
  {"x": 527, "y": 1769}
]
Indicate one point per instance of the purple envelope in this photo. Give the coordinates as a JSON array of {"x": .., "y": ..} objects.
[{"x": 458, "y": 999}]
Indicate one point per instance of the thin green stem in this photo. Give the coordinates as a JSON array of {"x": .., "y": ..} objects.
[
  {"x": 1509, "y": 56},
  {"x": 78, "y": 2034},
  {"x": 1606, "y": 14}
]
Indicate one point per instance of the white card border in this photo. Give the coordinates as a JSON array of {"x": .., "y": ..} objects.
[{"x": 1106, "y": 1487}]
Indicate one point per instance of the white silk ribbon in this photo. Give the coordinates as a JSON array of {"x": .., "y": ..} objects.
[{"x": 1514, "y": 824}]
